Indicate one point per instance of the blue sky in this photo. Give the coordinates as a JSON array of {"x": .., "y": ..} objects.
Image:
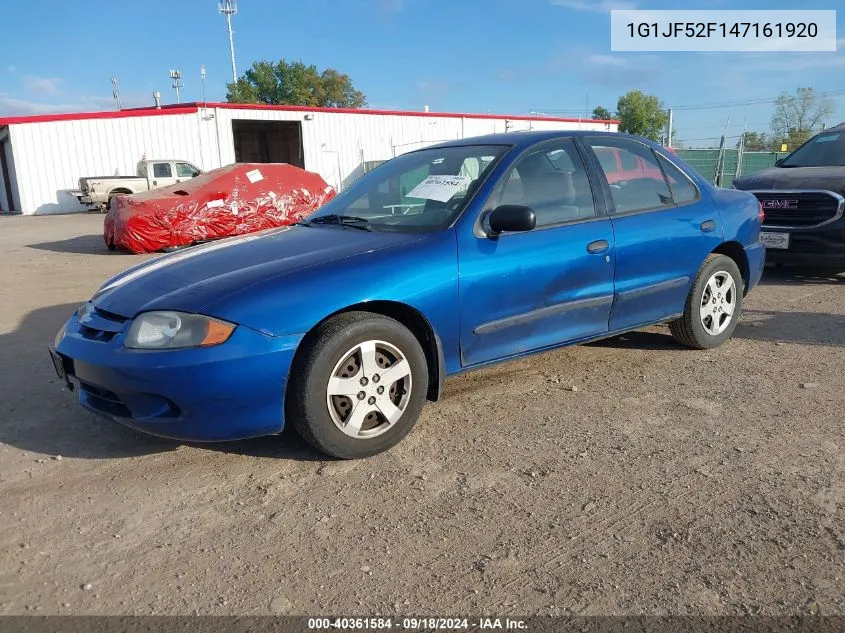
[{"x": 503, "y": 56}]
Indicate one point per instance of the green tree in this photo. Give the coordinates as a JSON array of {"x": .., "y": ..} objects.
[
  {"x": 642, "y": 114},
  {"x": 294, "y": 83},
  {"x": 601, "y": 113},
  {"x": 756, "y": 142},
  {"x": 797, "y": 116}
]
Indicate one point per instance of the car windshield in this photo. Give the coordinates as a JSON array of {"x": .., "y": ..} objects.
[
  {"x": 421, "y": 192},
  {"x": 824, "y": 150}
]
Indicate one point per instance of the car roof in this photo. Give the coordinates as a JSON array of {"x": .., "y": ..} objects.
[{"x": 528, "y": 138}]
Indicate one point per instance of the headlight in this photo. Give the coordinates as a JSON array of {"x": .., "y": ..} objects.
[{"x": 173, "y": 330}]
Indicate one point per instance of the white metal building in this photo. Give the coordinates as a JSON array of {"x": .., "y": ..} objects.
[{"x": 42, "y": 157}]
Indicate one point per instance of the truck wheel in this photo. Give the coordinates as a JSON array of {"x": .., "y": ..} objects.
[
  {"x": 713, "y": 307},
  {"x": 359, "y": 385}
]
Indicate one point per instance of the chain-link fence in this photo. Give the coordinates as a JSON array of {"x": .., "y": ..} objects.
[{"x": 721, "y": 166}]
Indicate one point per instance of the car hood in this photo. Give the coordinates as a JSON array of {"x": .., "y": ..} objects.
[
  {"x": 190, "y": 279},
  {"x": 827, "y": 178}
]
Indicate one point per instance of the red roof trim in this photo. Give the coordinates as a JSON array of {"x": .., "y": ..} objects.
[
  {"x": 190, "y": 108},
  {"x": 187, "y": 108},
  {"x": 453, "y": 115}
]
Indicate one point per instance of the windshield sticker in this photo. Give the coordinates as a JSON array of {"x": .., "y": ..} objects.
[
  {"x": 827, "y": 138},
  {"x": 439, "y": 188},
  {"x": 254, "y": 176}
]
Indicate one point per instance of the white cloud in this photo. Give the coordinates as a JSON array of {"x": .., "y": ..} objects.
[
  {"x": 13, "y": 106},
  {"x": 597, "y": 6},
  {"x": 42, "y": 85},
  {"x": 10, "y": 106},
  {"x": 608, "y": 60}
]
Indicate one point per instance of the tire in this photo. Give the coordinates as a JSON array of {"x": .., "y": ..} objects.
[
  {"x": 332, "y": 363},
  {"x": 705, "y": 324}
]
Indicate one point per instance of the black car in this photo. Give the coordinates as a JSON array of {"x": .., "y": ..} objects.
[{"x": 803, "y": 198}]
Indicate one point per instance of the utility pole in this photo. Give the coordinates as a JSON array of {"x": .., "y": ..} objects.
[
  {"x": 116, "y": 92},
  {"x": 669, "y": 132},
  {"x": 230, "y": 8},
  {"x": 176, "y": 75}
]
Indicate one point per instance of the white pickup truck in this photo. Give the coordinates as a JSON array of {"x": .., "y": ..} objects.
[{"x": 98, "y": 191}]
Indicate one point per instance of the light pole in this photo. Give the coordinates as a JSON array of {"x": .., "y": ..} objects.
[
  {"x": 230, "y": 8},
  {"x": 176, "y": 75},
  {"x": 116, "y": 91}
]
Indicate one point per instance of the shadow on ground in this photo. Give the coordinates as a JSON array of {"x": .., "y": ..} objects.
[
  {"x": 656, "y": 338},
  {"x": 83, "y": 244},
  {"x": 38, "y": 414},
  {"x": 801, "y": 275},
  {"x": 806, "y": 328}
]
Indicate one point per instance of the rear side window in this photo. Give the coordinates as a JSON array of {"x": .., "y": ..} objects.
[
  {"x": 645, "y": 187},
  {"x": 607, "y": 158},
  {"x": 162, "y": 170},
  {"x": 629, "y": 161},
  {"x": 682, "y": 189}
]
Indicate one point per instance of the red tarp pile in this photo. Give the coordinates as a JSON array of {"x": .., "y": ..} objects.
[{"x": 233, "y": 200}]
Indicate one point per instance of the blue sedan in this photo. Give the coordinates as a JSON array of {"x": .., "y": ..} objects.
[{"x": 440, "y": 261}]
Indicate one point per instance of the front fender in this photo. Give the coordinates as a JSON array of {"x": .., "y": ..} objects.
[{"x": 421, "y": 275}]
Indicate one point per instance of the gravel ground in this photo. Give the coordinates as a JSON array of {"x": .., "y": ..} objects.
[{"x": 629, "y": 476}]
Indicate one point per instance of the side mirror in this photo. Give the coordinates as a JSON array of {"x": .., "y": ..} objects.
[
  {"x": 778, "y": 162},
  {"x": 511, "y": 218}
]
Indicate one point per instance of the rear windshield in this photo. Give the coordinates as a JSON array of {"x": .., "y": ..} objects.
[{"x": 824, "y": 150}]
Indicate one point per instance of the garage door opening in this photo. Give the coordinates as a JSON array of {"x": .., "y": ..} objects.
[{"x": 268, "y": 142}]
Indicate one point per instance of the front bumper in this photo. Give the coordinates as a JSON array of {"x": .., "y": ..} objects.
[
  {"x": 231, "y": 391},
  {"x": 812, "y": 246}
]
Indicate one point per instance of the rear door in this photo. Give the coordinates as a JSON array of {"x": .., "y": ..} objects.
[{"x": 664, "y": 229}]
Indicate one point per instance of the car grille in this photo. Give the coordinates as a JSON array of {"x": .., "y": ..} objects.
[
  {"x": 100, "y": 325},
  {"x": 798, "y": 209}
]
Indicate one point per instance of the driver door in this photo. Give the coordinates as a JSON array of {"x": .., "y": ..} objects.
[
  {"x": 520, "y": 292},
  {"x": 162, "y": 176}
]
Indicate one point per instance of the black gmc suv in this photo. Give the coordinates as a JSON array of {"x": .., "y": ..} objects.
[{"x": 803, "y": 199}]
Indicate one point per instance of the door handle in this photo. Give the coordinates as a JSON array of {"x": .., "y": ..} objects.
[
  {"x": 708, "y": 226},
  {"x": 598, "y": 247}
]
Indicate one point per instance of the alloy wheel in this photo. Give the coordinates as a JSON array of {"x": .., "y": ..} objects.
[
  {"x": 718, "y": 302},
  {"x": 369, "y": 389}
]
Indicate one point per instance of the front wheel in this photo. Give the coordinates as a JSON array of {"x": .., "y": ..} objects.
[
  {"x": 713, "y": 306},
  {"x": 358, "y": 386}
]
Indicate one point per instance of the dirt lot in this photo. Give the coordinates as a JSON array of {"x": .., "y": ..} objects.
[{"x": 625, "y": 477}]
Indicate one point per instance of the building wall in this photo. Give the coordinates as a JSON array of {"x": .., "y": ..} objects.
[
  {"x": 50, "y": 157},
  {"x": 336, "y": 145}
]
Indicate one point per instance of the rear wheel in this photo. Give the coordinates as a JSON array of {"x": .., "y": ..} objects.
[
  {"x": 713, "y": 306},
  {"x": 359, "y": 387}
]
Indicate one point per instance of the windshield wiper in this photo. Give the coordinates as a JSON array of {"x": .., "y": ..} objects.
[{"x": 352, "y": 221}]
